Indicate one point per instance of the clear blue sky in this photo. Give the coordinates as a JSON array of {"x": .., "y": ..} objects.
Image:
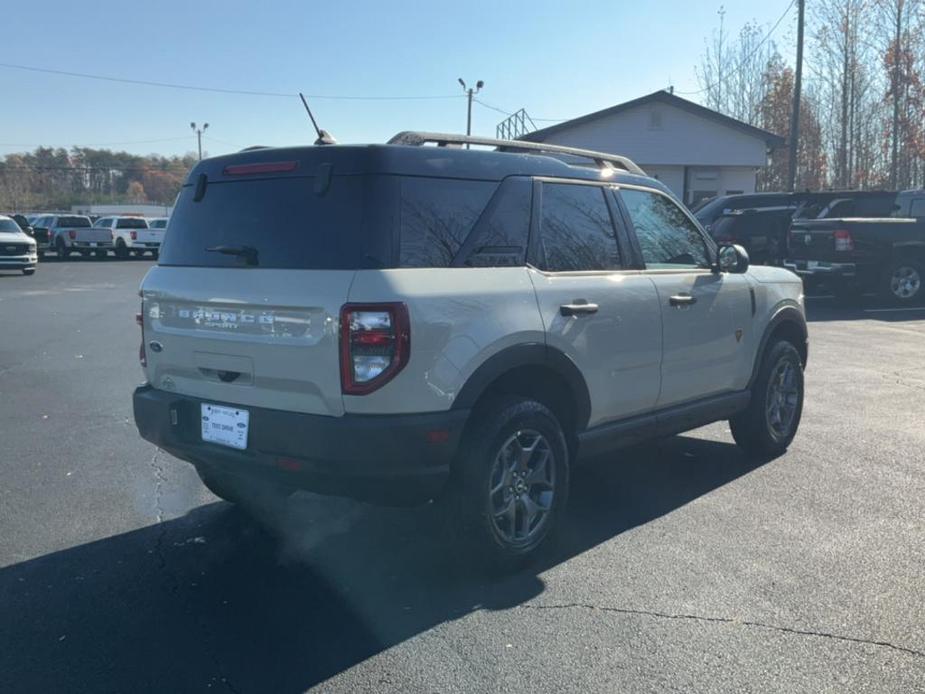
[{"x": 557, "y": 59}]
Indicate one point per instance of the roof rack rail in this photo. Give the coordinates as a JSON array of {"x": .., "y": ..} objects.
[{"x": 413, "y": 138}]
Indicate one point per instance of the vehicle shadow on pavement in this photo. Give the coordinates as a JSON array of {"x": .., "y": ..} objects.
[
  {"x": 861, "y": 308},
  {"x": 211, "y": 601}
]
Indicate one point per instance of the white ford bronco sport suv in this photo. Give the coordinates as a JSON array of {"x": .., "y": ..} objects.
[{"x": 405, "y": 322}]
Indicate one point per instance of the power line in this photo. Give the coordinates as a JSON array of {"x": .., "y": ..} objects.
[
  {"x": 508, "y": 113},
  {"x": 749, "y": 57},
  {"x": 220, "y": 90}
]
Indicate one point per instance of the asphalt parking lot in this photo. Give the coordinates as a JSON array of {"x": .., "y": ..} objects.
[{"x": 683, "y": 566}]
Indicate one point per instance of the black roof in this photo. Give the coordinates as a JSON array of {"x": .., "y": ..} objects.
[
  {"x": 663, "y": 97},
  {"x": 437, "y": 162}
]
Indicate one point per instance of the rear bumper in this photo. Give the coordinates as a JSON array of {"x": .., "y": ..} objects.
[
  {"x": 393, "y": 459},
  {"x": 820, "y": 269},
  {"x": 89, "y": 245}
]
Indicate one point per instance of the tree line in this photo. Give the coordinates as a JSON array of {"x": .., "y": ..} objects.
[
  {"x": 862, "y": 115},
  {"x": 56, "y": 178}
]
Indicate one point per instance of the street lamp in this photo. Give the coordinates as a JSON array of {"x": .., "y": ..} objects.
[
  {"x": 199, "y": 132},
  {"x": 470, "y": 93}
]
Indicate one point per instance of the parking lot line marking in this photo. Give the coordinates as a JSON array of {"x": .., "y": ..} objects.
[{"x": 891, "y": 310}]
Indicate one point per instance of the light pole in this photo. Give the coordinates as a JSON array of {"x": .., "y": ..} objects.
[
  {"x": 199, "y": 132},
  {"x": 470, "y": 93}
]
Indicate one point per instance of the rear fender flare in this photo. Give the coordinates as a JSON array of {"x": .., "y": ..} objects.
[{"x": 532, "y": 354}]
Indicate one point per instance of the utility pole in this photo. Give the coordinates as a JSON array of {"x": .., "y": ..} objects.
[
  {"x": 795, "y": 114},
  {"x": 199, "y": 132},
  {"x": 470, "y": 93},
  {"x": 719, "y": 59},
  {"x": 894, "y": 80}
]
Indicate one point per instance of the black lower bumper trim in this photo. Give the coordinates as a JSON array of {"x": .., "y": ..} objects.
[{"x": 401, "y": 459}]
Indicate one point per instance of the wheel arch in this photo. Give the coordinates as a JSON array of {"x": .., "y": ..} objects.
[
  {"x": 789, "y": 323},
  {"x": 532, "y": 370}
]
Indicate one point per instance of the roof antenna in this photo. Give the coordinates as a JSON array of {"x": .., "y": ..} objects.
[{"x": 324, "y": 137}]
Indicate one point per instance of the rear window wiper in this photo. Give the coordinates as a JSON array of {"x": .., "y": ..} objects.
[{"x": 249, "y": 253}]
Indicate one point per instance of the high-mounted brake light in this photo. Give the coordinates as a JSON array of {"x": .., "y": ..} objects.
[
  {"x": 375, "y": 342},
  {"x": 843, "y": 240},
  {"x": 264, "y": 167}
]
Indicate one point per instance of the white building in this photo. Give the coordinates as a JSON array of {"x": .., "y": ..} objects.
[
  {"x": 126, "y": 210},
  {"x": 695, "y": 151}
]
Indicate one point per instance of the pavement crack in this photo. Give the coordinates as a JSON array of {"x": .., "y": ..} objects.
[{"x": 728, "y": 620}]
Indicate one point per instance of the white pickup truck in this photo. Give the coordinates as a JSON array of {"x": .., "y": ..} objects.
[
  {"x": 131, "y": 235},
  {"x": 65, "y": 234}
]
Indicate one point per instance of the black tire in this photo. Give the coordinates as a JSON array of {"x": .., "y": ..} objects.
[
  {"x": 28, "y": 271},
  {"x": 472, "y": 507},
  {"x": 121, "y": 249},
  {"x": 903, "y": 282},
  {"x": 62, "y": 250},
  {"x": 155, "y": 254},
  {"x": 755, "y": 429},
  {"x": 101, "y": 254}
]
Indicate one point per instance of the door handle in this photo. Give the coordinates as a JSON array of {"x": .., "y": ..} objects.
[
  {"x": 682, "y": 300},
  {"x": 578, "y": 308}
]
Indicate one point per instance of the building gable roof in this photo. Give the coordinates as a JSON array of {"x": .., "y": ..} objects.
[{"x": 663, "y": 97}]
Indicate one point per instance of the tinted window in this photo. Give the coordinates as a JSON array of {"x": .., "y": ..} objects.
[
  {"x": 437, "y": 215},
  {"x": 917, "y": 208},
  {"x": 875, "y": 206},
  {"x": 73, "y": 222},
  {"x": 575, "y": 229},
  {"x": 288, "y": 224},
  {"x": 504, "y": 228},
  {"x": 131, "y": 224},
  {"x": 9, "y": 226},
  {"x": 103, "y": 222},
  {"x": 667, "y": 237}
]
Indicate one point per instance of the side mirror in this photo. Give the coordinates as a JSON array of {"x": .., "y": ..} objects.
[{"x": 733, "y": 258}]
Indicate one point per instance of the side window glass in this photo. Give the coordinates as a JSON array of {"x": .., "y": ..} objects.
[
  {"x": 437, "y": 215},
  {"x": 667, "y": 237},
  {"x": 917, "y": 208},
  {"x": 503, "y": 231},
  {"x": 576, "y": 231}
]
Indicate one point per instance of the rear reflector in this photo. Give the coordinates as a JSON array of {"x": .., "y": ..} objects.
[{"x": 265, "y": 167}]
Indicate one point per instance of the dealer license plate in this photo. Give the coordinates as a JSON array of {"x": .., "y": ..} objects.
[{"x": 226, "y": 426}]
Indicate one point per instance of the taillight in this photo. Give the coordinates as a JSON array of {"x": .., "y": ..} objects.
[
  {"x": 843, "y": 240},
  {"x": 72, "y": 234},
  {"x": 134, "y": 235},
  {"x": 375, "y": 342},
  {"x": 140, "y": 320}
]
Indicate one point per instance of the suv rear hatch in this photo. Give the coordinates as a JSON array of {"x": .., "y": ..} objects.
[{"x": 244, "y": 305}]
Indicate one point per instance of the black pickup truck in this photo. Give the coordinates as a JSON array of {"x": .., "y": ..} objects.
[{"x": 850, "y": 255}]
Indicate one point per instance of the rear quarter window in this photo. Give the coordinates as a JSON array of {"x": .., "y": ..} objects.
[{"x": 437, "y": 215}]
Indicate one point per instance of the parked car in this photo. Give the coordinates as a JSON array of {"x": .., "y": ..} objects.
[
  {"x": 760, "y": 221},
  {"x": 131, "y": 235},
  {"x": 853, "y": 255},
  {"x": 408, "y": 322},
  {"x": 65, "y": 234},
  {"x": 17, "y": 249},
  {"x": 157, "y": 222}
]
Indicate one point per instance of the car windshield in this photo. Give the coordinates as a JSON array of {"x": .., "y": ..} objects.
[{"x": 9, "y": 226}]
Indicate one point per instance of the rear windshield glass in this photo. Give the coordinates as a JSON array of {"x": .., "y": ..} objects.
[
  {"x": 131, "y": 224},
  {"x": 287, "y": 223},
  {"x": 74, "y": 222}
]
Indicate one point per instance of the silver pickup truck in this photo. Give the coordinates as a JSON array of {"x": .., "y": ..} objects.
[{"x": 69, "y": 233}]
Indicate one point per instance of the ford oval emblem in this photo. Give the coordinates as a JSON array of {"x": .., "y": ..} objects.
[{"x": 156, "y": 346}]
